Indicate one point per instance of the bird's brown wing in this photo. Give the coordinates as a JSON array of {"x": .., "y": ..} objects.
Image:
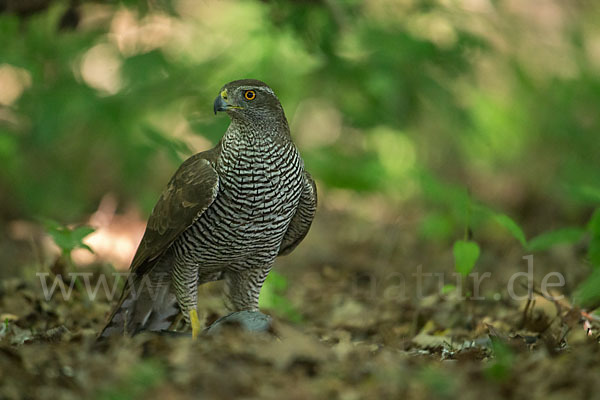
[
  {"x": 302, "y": 219},
  {"x": 189, "y": 193}
]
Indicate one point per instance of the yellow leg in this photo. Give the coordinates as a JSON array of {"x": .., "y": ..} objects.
[{"x": 195, "y": 323}]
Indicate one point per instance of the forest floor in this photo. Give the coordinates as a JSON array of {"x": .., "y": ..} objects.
[{"x": 364, "y": 315}]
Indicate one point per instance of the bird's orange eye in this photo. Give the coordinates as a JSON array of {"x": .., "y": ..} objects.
[{"x": 249, "y": 94}]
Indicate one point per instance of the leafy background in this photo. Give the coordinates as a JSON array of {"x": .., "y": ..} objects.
[
  {"x": 446, "y": 104},
  {"x": 456, "y": 134}
]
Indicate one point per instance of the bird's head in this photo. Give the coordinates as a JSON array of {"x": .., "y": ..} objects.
[{"x": 249, "y": 100}]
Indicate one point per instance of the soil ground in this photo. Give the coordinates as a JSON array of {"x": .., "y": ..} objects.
[{"x": 362, "y": 316}]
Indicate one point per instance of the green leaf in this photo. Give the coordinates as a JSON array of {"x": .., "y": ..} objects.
[
  {"x": 79, "y": 233},
  {"x": 66, "y": 238},
  {"x": 594, "y": 252},
  {"x": 552, "y": 238},
  {"x": 594, "y": 224},
  {"x": 466, "y": 254},
  {"x": 86, "y": 247},
  {"x": 594, "y": 247},
  {"x": 447, "y": 289},
  {"x": 512, "y": 227},
  {"x": 587, "y": 295}
]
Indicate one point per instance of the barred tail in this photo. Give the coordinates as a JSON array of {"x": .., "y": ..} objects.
[{"x": 145, "y": 305}]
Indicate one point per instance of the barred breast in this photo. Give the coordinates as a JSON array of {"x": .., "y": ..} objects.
[{"x": 260, "y": 183}]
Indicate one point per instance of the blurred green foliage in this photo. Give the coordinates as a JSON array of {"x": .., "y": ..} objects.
[
  {"x": 552, "y": 238},
  {"x": 500, "y": 369},
  {"x": 272, "y": 297},
  {"x": 439, "y": 384},
  {"x": 416, "y": 100},
  {"x": 594, "y": 231},
  {"x": 66, "y": 238},
  {"x": 587, "y": 294},
  {"x": 137, "y": 382}
]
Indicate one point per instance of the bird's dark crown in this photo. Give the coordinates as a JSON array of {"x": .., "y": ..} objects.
[{"x": 246, "y": 82}]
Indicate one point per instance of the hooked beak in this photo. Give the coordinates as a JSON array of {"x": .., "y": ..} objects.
[{"x": 221, "y": 103}]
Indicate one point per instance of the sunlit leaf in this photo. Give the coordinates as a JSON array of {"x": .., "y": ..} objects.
[
  {"x": 81, "y": 232},
  {"x": 466, "y": 254},
  {"x": 66, "y": 238}
]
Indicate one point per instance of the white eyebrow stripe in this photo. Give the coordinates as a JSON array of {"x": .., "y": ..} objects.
[{"x": 266, "y": 89}]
